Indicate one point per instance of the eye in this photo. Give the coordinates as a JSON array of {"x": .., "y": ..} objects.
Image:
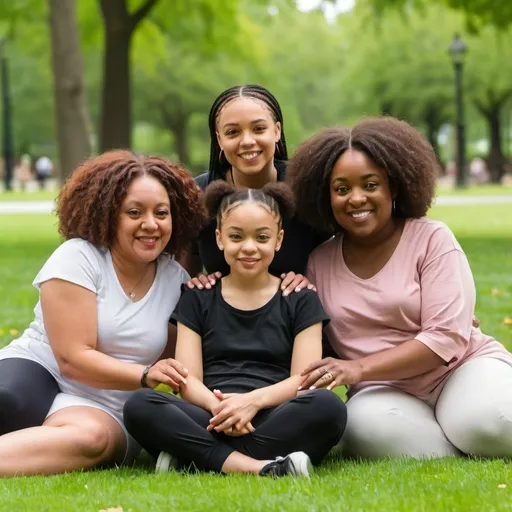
[
  {"x": 235, "y": 237},
  {"x": 260, "y": 129},
  {"x": 133, "y": 212},
  {"x": 263, "y": 238},
  {"x": 162, "y": 213},
  {"x": 231, "y": 133},
  {"x": 341, "y": 190},
  {"x": 371, "y": 185}
]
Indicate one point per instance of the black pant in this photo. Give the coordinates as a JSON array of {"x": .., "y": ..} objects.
[
  {"x": 27, "y": 391},
  {"x": 313, "y": 422}
]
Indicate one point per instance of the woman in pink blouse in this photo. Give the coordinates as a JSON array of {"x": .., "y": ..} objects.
[{"x": 423, "y": 382}]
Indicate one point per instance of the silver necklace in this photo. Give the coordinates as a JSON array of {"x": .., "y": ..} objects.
[{"x": 132, "y": 293}]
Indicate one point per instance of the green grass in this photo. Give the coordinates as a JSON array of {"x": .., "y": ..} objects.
[
  {"x": 39, "y": 195},
  {"x": 444, "y": 485},
  {"x": 476, "y": 190}
]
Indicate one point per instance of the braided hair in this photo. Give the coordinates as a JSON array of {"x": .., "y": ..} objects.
[{"x": 218, "y": 162}]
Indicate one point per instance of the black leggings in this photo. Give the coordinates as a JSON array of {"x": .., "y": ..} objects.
[
  {"x": 312, "y": 422},
  {"x": 27, "y": 391}
]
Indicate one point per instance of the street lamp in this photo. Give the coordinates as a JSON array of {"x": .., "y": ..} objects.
[{"x": 457, "y": 50}]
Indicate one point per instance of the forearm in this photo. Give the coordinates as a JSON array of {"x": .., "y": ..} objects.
[
  {"x": 271, "y": 396},
  {"x": 409, "y": 359},
  {"x": 195, "y": 392},
  {"x": 93, "y": 368}
]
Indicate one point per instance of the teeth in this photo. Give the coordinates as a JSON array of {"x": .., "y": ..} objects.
[
  {"x": 250, "y": 156},
  {"x": 147, "y": 239},
  {"x": 360, "y": 215}
]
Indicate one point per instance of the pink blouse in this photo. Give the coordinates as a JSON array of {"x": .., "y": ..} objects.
[{"x": 424, "y": 292}]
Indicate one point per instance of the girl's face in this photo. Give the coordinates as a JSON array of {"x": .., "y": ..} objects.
[
  {"x": 249, "y": 236},
  {"x": 144, "y": 224},
  {"x": 247, "y": 134},
  {"x": 361, "y": 199}
]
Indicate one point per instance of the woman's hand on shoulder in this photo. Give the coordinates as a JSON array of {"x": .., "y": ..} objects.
[
  {"x": 169, "y": 372},
  {"x": 204, "y": 281},
  {"x": 329, "y": 373},
  {"x": 293, "y": 282}
]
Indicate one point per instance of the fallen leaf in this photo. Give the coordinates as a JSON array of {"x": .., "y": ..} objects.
[
  {"x": 112, "y": 509},
  {"x": 507, "y": 321},
  {"x": 496, "y": 291},
  {"x": 13, "y": 332},
  {"x": 502, "y": 486}
]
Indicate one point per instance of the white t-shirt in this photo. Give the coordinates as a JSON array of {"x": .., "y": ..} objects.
[{"x": 132, "y": 332}]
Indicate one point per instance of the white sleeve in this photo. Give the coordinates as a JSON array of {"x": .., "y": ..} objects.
[{"x": 74, "y": 261}]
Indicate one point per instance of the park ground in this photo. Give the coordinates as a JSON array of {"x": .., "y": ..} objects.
[{"x": 484, "y": 231}]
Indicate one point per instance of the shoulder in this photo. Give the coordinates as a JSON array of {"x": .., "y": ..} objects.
[
  {"x": 324, "y": 251},
  {"x": 195, "y": 296},
  {"x": 172, "y": 270},
  {"x": 431, "y": 235},
  {"x": 203, "y": 179},
  {"x": 79, "y": 249},
  {"x": 305, "y": 296}
]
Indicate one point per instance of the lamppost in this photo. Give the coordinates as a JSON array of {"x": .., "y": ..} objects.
[
  {"x": 6, "y": 118},
  {"x": 457, "y": 50}
]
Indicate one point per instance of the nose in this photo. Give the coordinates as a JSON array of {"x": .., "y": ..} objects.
[
  {"x": 357, "y": 197},
  {"x": 149, "y": 222},
  {"x": 249, "y": 246},
  {"x": 247, "y": 138}
]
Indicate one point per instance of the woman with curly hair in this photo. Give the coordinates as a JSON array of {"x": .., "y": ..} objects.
[
  {"x": 423, "y": 382},
  {"x": 245, "y": 345},
  {"x": 248, "y": 150},
  {"x": 102, "y": 319}
]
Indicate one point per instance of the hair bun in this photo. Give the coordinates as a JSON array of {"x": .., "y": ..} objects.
[
  {"x": 283, "y": 196},
  {"x": 215, "y": 192}
]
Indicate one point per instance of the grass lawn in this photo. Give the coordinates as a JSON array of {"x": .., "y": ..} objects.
[
  {"x": 447, "y": 485},
  {"x": 39, "y": 195},
  {"x": 475, "y": 190}
]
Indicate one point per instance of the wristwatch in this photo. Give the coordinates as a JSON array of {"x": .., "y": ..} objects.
[{"x": 143, "y": 377}]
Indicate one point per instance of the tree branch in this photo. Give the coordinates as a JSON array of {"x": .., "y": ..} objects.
[{"x": 142, "y": 12}]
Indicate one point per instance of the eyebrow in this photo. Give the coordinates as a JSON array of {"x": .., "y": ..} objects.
[
  {"x": 365, "y": 177},
  {"x": 134, "y": 202},
  {"x": 263, "y": 228},
  {"x": 256, "y": 121}
]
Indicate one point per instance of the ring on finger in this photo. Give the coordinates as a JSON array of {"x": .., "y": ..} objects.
[
  {"x": 322, "y": 371},
  {"x": 329, "y": 375}
]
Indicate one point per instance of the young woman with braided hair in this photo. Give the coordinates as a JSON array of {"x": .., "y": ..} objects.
[
  {"x": 244, "y": 344},
  {"x": 248, "y": 150}
]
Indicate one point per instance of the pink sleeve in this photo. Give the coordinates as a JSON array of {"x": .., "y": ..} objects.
[
  {"x": 447, "y": 297},
  {"x": 310, "y": 270}
]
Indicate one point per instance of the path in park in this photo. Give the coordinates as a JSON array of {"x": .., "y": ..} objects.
[{"x": 20, "y": 207}]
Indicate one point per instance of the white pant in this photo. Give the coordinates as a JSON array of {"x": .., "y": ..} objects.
[{"x": 473, "y": 415}]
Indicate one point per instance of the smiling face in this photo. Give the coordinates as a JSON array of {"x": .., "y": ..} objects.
[
  {"x": 249, "y": 236},
  {"x": 247, "y": 134},
  {"x": 361, "y": 199},
  {"x": 144, "y": 224}
]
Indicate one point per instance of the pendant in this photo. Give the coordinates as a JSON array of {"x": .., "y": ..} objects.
[{"x": 131, "y": 295}]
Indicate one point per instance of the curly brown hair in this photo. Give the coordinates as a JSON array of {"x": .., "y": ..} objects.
[
  {"x": 89, "y": 202},
  {"x": 395, "y": 146}
]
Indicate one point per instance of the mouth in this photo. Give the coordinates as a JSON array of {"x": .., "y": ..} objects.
[
  {"x": 360, "y": 216},
  {"x": 148, "y": 241},
  {"x": 250, "y": 155},
  {"x": 248, "y": 262}
]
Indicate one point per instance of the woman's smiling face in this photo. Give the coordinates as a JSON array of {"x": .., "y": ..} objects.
[{"x": 361, "y": 198}]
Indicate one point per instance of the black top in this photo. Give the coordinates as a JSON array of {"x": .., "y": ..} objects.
[
  {"x": 298, "y": 242},
  {"x": 247, "y": 350}
]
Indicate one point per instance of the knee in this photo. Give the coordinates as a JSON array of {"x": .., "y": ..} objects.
[
  {"x": 328, "y": 409},
  {"x": 134, "y": 410},
  {"x": 484, "y": 431},
  {"x": 11, "y": 409},
  {"x": 94, "y": 441}
]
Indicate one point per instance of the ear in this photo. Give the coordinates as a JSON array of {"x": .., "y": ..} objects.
[
  {"x": 218, "y": 138},
  {"x": 278, "y": 131},
  {"x": 280, "y": 237},
  {"x": 218, "y": 240}
]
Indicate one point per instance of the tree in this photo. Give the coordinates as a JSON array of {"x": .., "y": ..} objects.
[
  {"x": 70, "y": 107},
  {"x": 478, "y": 12}
]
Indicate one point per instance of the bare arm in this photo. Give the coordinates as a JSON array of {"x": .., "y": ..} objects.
[
  {"x": 70, "y": 318},
  {"x": 189, "y": 353}
]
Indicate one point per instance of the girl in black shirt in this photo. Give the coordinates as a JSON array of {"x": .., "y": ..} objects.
[
  {"x": 244, "y": 345},
  {"x": 248, "y": 150}
]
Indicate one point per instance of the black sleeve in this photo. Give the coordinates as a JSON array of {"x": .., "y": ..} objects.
[
  {"x": 189, "y": 310},
  {"x": 308, "y": 311},
  {"x": 202, "y": 180}
]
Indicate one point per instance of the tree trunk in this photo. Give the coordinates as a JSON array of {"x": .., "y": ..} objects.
[
  {"x": 115, "y": 129},
  {"x": 177, "y": 124},
  {"x": 70, "y": 104},
  {"x": 496, "y": 159}
]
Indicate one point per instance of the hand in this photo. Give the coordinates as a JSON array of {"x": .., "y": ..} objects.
[
  {"x": 202, "y": 281},
  {"x": 331, "y": 372},
  {"x": 167, "y": 371},
  {"x": 293, "y": 282},
  {"x": 247, "y": 429},
  {"x": 476, "y": 322},
  {"x": 235, "y": 411}
]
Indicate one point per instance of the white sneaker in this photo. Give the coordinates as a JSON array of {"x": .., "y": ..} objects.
[
  {"x": 165, "y": 462},
  {"x": 295, "y": 464}
]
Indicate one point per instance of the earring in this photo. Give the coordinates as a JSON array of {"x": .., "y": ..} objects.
[
  {"x": 220, "y": 154},
  {"x": 277, "y": 146},
  {"x": 394, "y": 205}
]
